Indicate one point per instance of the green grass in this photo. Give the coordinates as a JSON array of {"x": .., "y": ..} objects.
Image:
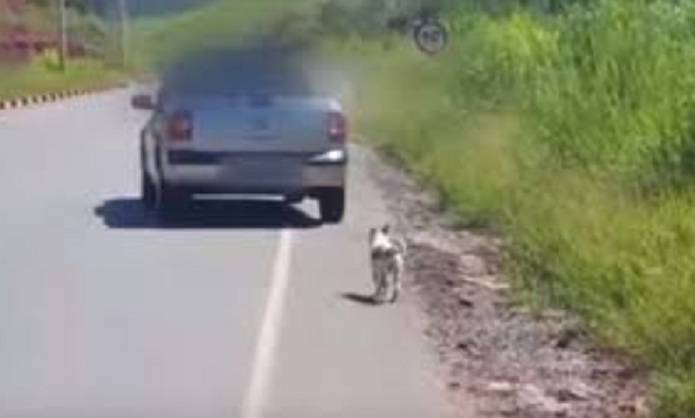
[
  {"x": 572, "y": 135},
  {"x": 41, "y": 78}
]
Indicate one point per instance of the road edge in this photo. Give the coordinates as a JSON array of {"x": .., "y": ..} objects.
[
  {"x": 496, "y": 356},
  {"x": 37, "y": 99}
]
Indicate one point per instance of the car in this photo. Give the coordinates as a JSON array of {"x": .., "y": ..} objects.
[{"x": 243, "y": 122}]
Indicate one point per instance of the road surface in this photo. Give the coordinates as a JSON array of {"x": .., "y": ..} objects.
[{"x": 240, "y": 310}]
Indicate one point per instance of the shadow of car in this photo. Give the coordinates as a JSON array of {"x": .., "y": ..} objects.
[{"x": 130, "y": 213}]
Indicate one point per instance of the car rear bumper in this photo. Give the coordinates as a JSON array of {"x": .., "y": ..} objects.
[{"x": 267, "y": 173}]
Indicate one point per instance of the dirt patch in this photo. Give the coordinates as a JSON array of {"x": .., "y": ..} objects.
[{"x": 507, "y": 360}]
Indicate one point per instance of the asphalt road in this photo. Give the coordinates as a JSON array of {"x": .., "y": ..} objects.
[{"x": 240, "y": 310}]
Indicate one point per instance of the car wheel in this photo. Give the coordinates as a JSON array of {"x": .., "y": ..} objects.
[
  {"x": 148, "y": 191},
  {"x": 170, "y": 200},
  {"x": 332, "y": 205}
]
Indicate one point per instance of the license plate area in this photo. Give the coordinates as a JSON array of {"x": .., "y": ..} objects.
[{"x": 262, "y": 169}]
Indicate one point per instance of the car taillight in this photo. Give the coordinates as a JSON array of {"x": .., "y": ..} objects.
[
  {"x": 181, "y": 126},
  {"x": 337, "y": 127}
]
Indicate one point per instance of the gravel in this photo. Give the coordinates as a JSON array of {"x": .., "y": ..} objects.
[{"x": 502, "y": 357}]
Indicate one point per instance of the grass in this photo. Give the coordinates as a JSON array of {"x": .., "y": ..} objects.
[
  {"x": 39, "y": 78},
  {"x": 573, "y": 135}
]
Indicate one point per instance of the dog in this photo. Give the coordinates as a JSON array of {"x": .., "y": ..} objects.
[{"x": 387, "y": 255}]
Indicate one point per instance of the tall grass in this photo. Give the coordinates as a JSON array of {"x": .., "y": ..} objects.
[{"x": 572, "y": 134}]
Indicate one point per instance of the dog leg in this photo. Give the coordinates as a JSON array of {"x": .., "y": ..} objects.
[
  {"x": 387, "y": 288},
  {"x": 383, "y": 289},
  {"x": 396, "y": 287},
  {"x": 397, "y": 276},
  {"x": 377, "y": 276},
  {"x": 376, "y": 280}
]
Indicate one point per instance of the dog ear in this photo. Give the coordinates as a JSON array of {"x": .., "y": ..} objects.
[
  {"x": 372, "y": 233},
  {"x": 386, "y": 229}
]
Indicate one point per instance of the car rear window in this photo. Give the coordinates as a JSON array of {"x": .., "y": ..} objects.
[{"x": 233, "y": 74}]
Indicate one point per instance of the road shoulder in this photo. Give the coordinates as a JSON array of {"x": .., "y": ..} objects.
[{"x": 494, "y": 353}]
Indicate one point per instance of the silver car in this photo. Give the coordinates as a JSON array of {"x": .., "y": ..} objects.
[{"x": 243, "y": 122}]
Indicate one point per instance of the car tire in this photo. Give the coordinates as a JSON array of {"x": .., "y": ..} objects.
[
  {"x": 170, "y": 201},
  {"x": 148, "y": 192},
  {"x": 332, "y": 205},
  {"x": 148, "y": 189}
]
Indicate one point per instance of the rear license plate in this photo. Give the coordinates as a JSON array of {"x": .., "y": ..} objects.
[{"x": 262, "y": 169}]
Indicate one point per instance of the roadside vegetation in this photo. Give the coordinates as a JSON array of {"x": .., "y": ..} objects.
[
  {"x": 571, "y": 134},
  {"x": 42, "y": 75},
  {"x": 34, "y": 21}
]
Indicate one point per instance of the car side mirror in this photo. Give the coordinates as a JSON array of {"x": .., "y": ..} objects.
[{"x": 143, "y": 102}]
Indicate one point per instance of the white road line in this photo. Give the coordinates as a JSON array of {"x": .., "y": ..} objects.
[{"x": 263, "y": 362}]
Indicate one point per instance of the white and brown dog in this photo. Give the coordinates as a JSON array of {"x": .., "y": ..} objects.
[{"x": 387, "y": 255}]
